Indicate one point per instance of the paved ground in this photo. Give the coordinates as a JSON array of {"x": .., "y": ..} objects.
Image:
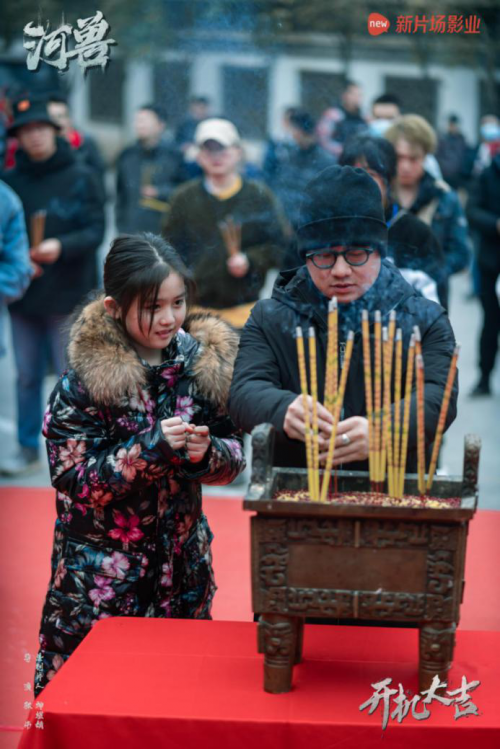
[{"x": 481, "y": 416}]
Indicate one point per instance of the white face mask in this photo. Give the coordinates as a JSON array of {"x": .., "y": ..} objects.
[
  {"x": 378, "y": 127},
  {"x": 490, "y": 131}
]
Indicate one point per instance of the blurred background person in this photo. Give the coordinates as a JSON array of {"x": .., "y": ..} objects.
[
  {"x": 147, "y": 172},
  {"x": 385, "y": 109},
  {"x": 431, "y": 200},
  {"x": 229, "y": 230},
  {"x": 83, "y": 144},
  {"x": 277, "y": 149},
  {"x": 198, "y": 110},
  {"x": 451, "y": 153},
  {"x": 411, "y": 243},
  {"x": 483, "y": 211},
  {"x": 47, "y": 177},
  {"x": 15, "y": 264},
  {"x": 339, "y": 123}
]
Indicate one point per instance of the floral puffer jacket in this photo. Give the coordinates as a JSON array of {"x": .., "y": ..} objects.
[{"x": 130, "y": 538}]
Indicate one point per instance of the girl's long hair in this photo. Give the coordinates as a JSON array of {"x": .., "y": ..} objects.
[{"x": 136, "y": 266}]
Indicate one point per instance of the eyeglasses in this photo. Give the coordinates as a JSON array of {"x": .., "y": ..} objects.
[{"x": 353, "y": 256}]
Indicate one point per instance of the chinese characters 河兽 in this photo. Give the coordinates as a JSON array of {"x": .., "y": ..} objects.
[
  {"x": 382, "y": 694},
  {"x": 90, "y": 45}
]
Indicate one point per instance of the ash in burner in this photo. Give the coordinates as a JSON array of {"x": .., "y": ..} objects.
[{"x": 373, "y": 499}]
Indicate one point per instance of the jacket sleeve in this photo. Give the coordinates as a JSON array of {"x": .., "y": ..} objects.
[
  {"x": 224, "y": 460},
  {"x": 84, "y": 459},
  {"x": 438, "y": 344},
  {"x": 89, "y": 229},
  {"x": 480, "y": 218},
  {"x": 15, "y": 266},
  {"x": 456, "y": 244},
  {"x": 256, "y": 394}
]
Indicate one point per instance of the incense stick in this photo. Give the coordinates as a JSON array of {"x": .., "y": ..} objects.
[
  {"x": 231, "y": 234},
  {"x": 331, "y": 355},
  {"x": 397, "y": 407},
  {"x": 305, "y": 401},
  {"x": 442, "y": 417},
  {"x": 314, "y": 395},
  {"x": 37, "y": 227},
  {"x": 406, "y": 416},
  {"x": 378, "y": 395},
  {"x": 419, "y": 361},
  {"x": 338, "y": 406},
  {"x": 368, "y": 392}
]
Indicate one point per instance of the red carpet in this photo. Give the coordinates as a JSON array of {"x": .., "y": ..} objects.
[{"x": 27, "y": 520}]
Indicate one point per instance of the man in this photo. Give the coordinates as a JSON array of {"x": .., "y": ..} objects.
[
  {"x": 483, "y": 210},
  {"x": 338, "y": 124},
  {"x": 385, "y": 109},
  {"x": 199, "y": 107},
  {"x": 47, "y": 178},
  {"x": 299, "y": 161},
  {"x": 451, "y": 153},
  {"x": 342, "y": 240},
  {"x": 147, "y": 173},
  {"x": 229, "y": 230},
  {"x": 84, "y": 145},
  {"x": 433, "y": 201}
]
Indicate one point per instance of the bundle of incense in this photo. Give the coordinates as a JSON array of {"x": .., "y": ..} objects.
[
  {"x": 37, "y": 227},
  {"x": 397, "y": 409},
  {"x": 377, "y": 386},
  {"x": 231, "y": 234},
  {"x": 442, "y": 417},
  {"x": 406, "y": 417},
  {"x": 339, "y": 399},
  {"x": 419, "y": 362},
  {"x": 314, "y": 395},
  {"x": 367, "y": 366},
  {"x": 305, "y": 401}
]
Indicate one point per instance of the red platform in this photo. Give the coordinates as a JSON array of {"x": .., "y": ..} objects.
[{"x": 189, "y": 684}]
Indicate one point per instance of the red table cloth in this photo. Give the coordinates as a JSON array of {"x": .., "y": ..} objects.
[{"x": 159, "y": 683}]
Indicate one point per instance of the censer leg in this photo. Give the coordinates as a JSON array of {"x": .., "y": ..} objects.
[
  {"x": 299, "y": 638},
  {"x": 436, "y": 644},
  {"x": 278, "y": 635}
]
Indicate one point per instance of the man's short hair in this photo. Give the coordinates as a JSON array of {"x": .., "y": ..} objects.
[
  {"x": 416, "y": 130},
  {"x": 158, "y": 111},
  {"x": 387, "y": 99},
  {"x": 199, "y": 100},
  {"x": 378, "y": 154},
  {"x": 302, "y": 120}
]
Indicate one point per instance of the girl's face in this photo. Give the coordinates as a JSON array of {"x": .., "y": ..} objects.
[{"x": 167, "y": 317}]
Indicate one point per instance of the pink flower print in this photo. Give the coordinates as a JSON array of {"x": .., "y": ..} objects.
[
  {"x": 99, "y": 498},
  {"x": 117, "y": 565},
  {"x": 60, "y": 573},
  {"x": 184, "y": 406},
  {"x": 127, "y": 528},
  {"x": 142, "y": 402},
  {"x": 57, "y": 662},
  {"x": 144, "y": 564},
  {"x": 128, "y": 463},
  {"x": 46, "y": 421},
  {"x": 166, "y": 578},
  {"x": 72, "y": 453},
  {"x": 103, "y": 591},
  {"x": 171, "y": 375},
  {"x": 235, "y": 449},
  {"x": 102, "y": 615}
]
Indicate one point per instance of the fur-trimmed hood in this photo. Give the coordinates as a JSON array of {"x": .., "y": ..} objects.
[{"x": 109, "y": 368}]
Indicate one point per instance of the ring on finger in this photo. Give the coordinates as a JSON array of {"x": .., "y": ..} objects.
[{"x": 345, "y": 439}]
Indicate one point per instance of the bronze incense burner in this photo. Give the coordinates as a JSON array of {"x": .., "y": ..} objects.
[{"x": 355, "y": 562}]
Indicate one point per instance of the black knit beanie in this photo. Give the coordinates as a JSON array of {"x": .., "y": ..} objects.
[{"x": 342, "y": 205}]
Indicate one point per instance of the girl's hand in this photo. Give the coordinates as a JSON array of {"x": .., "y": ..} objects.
[
  {"x": 175, "y": 432},
  {"x": 197, "y": 443}
]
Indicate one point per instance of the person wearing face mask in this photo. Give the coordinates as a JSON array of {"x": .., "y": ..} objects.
[{"x": 343, "y": 245}]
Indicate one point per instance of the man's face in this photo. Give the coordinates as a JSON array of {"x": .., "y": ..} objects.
[
  {"x": 385, "y": 111},
  {"x": 361, "y": 164},
  {"x": 148, "y": 127},
  {"x": 351, "y": 98},
  {"x": 37, "y": 139},
  {"x": 346, "y": 282},
  {"x": 217, "y": 160},
  {"x": 59, "y": 112},
  {"x": 410, "y": 163}
]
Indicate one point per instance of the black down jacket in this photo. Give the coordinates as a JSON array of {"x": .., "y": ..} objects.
[{"x": 266, "y": 378}]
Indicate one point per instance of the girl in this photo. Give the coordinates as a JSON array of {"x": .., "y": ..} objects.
[{"x": 133, "y": 428}]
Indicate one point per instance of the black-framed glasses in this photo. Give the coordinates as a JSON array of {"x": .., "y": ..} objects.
[{"x": 324, "y": 259}]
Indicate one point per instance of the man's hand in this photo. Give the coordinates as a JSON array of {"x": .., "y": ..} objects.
[
  {"x": 238, "y": 265},
  {"x": 355, "y": 430},
  {"x": 294, "y": 421},
  {"x": 47, "y": 252},
  {"x": 149, "y": 191}
]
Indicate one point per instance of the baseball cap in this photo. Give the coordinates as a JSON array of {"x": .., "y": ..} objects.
[{"x": 222, "y": 131}]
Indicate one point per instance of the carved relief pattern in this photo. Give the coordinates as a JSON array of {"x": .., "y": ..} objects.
[
  {"x": 393, "y": 534},
  {"x": 273, "y": 564},
  {"x": 319, "y": 602},
  {"x": 391, "y": 606},
  {"x": 436, "y": 646},
  {"x": 262, "y": 450},
  {"x": 444, "y": 537},
  {"x": 321, "y": 531},
  {"x": 471, "y": 465},
  {"x": 278, "y": 641},
  {"x": 271, "y": 530}
]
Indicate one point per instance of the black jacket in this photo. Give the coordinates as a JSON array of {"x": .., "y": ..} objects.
[
  {"x": 137, "y": 166},
  {"x": 483, "y": 212},
  {"x": 266, "y": 378},
  {"x": 68, "y": 191}
]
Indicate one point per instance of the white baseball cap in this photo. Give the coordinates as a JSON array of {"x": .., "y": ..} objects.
[{"x": 222, "y": 131}]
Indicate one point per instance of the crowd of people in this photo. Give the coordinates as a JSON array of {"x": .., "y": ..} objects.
[{"x": 163, "y": 368}]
